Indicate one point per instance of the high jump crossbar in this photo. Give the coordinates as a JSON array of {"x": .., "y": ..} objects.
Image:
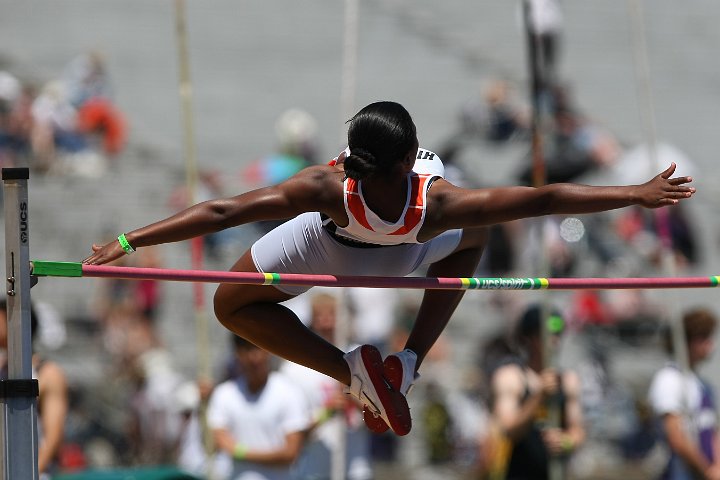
[{"x": 42, "y": 268}]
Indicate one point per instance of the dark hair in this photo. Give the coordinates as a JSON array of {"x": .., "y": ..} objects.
[
  {"x": 698, "y": 324},
  {"x": 529, "y": 323},
  {"x": 379, "y": 136},
  {"x": 33, "y": 317}
]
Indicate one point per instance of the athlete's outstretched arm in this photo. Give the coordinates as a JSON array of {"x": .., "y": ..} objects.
[
  {"x": 457, "y": 207},
  {"x": 306, "y": 191}
]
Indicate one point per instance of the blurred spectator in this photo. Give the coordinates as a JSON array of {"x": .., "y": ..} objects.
[
  {"x": 505, "y": 119},
  {"x": 127, "y": 310},
  {"x": 297, "y": 147},
  {"x": 373, "y": 312},
  {"x": 494, "y": 117},
  {"x": 15, "y": 120},
  {"x": 99, "y": 117},
  {"x": 258, "y": 419},
  {"x": 10, "y": 88},
  {"x": 52, "y": 402},
  {"x": 654, "y": 235},
  {"x": 154, "y": 425},
  {"x": 54, "y": 126},
  {"x": 574, "y": 144},
  {"x": 86, "y": 78},
  {"x": 685, "y": 405},
  {"x": 296, "y": 134},
  {"x": 90, "y": 92},
  {"x": 52, "y": 333},
  {"x": 191, "y": 449},
  {"x": 451, "y": 417},
  {"x": 523, "y": 391},
  {"x": 338, "y": 426},
  {"x": 438, "y": 426},
  {"x": 543, "y": 21}
]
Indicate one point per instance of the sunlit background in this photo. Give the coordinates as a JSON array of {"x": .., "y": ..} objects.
[{"x": 270, "y": 87}]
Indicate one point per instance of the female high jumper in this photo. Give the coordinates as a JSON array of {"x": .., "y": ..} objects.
[{"x": 381, "y": 208}]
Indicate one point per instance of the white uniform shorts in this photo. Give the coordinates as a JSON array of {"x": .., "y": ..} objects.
[{"x": 302, "y": 246}]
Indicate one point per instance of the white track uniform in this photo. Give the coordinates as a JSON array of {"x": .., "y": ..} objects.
[{"x": 368, "y": 245}]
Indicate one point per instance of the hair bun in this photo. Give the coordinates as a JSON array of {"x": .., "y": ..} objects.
[{"x": 360, "y": 164}]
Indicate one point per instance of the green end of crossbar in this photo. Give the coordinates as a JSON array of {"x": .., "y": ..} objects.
[{"x": 42, "y": 268}]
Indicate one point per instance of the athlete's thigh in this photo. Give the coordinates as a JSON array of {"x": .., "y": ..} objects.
[
  {"x": 231, "y": 296},
  {"x": 440, "y": 247},
  {"x": 473, "y": 237}
]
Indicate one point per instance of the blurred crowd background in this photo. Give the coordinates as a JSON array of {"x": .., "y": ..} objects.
[{"x": 89, "y": 101}]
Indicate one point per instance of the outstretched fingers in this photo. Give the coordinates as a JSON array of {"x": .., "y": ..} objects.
[
  {"x": 679, "y": 194},
  {"x": 670, "y": 170},
  {"x": 681, "y": 190},
  {"x": 104, "y": 254},
  {"x": 676, "y": 188},
  {"x": 679, "y": 180}
]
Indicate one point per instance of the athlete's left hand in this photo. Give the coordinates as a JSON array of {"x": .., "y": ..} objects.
[
  {"x": 105, "y": 253},
  {"x": 663, "y": 190}
]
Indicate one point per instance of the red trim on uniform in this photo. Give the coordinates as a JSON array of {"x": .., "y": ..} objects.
[
  {"x": 355, "y": 204},
  {"x": 415, "y": 209},
  {"x": 413, "y": 215}
]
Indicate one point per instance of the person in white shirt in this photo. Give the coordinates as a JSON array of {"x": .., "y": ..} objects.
[
  {"x": 259, "y": 418},
  {"x": 685, "y": 406}
]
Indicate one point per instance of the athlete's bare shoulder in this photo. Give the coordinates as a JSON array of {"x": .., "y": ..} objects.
[
  {"x": 317, "y": 185},
  {"x": 438, "y": 194},
  {"x": 320, "y": 177}
]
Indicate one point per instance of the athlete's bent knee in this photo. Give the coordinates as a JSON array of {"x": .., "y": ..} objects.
[{"x": 223, "y": 306}]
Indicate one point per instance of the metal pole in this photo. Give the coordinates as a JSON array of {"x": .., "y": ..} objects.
[
  {"x": 338, "y": 459},
  {"x": 191, "y": 177},
  {"x": 196, "y": 244},
  {"x": 19, "y": 392},
  {"x": 540, "y": 100}
]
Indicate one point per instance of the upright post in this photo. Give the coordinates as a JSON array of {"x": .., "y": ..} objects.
[
  {"x": 196, "y": 244},
  {"x": 540, "y": 101},
  {"x": 19, "y": 391}
]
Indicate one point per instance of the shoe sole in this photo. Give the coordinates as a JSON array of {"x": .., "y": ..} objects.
[
  {"x": 396, "y": 407},
  {"x": 393, "y": 373}
]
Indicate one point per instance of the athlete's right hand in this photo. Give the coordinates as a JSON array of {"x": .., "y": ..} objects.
[{"x": 105, "y": 253}]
